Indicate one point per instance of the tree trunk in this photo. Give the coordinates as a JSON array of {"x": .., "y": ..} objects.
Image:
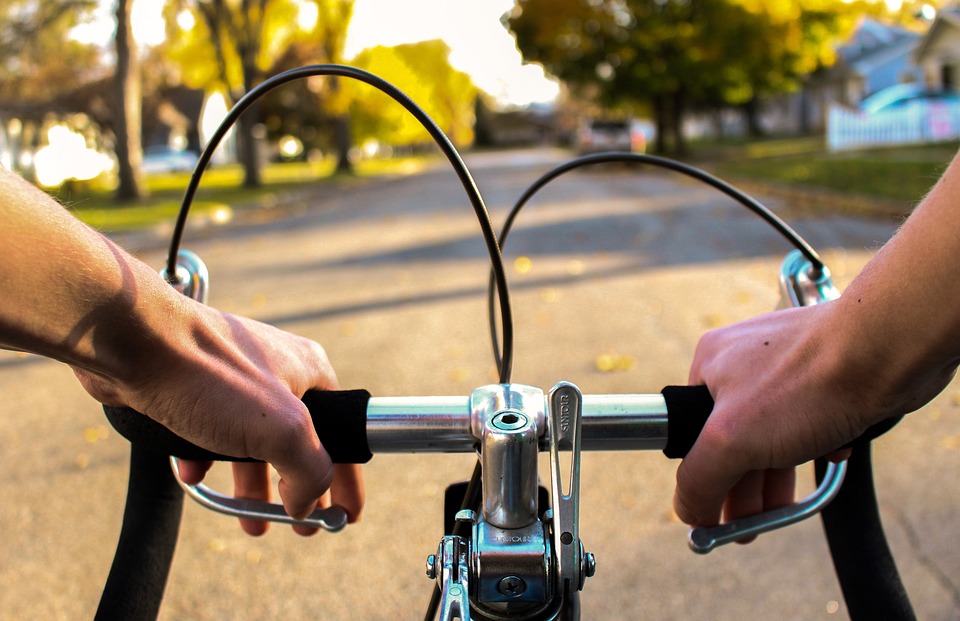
[
  {"x": 343, "y": 141},
  {"x": 679, "y": 108},
  {"x": 342, "y": 138},
  {"x": 751, "y": 112},
  {"x": 806, "y": 127},
  {"x": 30, "y": 142},
  {"x": 248, "y": 147},
  {"x": 660, "y": 115},
  {"x": 248, "y": 126},
  {"x": 127, "y": 84}
]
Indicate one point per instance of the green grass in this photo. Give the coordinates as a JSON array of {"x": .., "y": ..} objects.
[
  {"x": 220, "y": 192},
  {"x": 882, "y": 179},
  {"x": 894, "y": 174}
]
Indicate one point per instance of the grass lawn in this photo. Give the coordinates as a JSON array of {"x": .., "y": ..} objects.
[
  {"x": 890, "y": 174},
  {"x": 888, "y": 181},
  {"x": 220, "y": 192}
]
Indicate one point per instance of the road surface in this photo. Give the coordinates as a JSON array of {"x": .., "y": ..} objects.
[{"x": 615, "y": 273}]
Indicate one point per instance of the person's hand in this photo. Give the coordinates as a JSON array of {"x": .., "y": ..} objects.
[
  {"x": 233, "y": 385},
  {"x": 789, "y": 386}
]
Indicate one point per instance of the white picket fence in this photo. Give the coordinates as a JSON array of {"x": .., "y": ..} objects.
[{"x": 915, "y": 123}]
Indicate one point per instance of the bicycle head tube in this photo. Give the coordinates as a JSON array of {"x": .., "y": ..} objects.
[{"x": 518, "y": 556}]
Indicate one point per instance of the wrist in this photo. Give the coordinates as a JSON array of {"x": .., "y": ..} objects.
[
  {"x": 145, "y": 319},
  {"x": 888, "y": 364}
]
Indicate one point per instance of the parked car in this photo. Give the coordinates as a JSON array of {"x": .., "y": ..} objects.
[
  {"x": 161, "y": 159},
  {"x": 610, "y": 135},
  {"x": 902, "y": 95}
]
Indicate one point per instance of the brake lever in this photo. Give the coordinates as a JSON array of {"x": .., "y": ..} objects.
[
  {"x": 801, "y": 284},
  {"x": 192, "y": 279},
  {"x": 330, "y": 519},
  {"x": 703, "y": 540}
]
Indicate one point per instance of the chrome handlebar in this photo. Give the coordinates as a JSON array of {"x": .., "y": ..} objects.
[{"x": 509, "y": 424}]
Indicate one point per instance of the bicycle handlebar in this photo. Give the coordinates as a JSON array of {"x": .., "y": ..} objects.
[{"x": 352, "y": 425}]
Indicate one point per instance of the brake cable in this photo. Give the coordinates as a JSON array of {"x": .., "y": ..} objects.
[
  {"x": 504, "y": 364},
  {"x": 504, "y": 361},
  {"x": 652, "y": 160}
]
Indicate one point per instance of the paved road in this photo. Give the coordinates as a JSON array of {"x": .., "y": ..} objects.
[{"x": 615, "y": 275}]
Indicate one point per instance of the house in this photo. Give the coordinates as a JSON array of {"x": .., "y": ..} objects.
[
  {"x": 927, "y": 112},
  {"x": 938, "y": 52},
  {"x": 875, "y": 57}
]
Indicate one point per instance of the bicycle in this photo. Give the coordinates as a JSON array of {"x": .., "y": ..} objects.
[{"x": 512, "y": 548}]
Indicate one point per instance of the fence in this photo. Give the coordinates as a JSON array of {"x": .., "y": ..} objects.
[{"x": 914, "y": 123}]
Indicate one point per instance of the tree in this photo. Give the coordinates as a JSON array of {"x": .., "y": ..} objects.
[
  {"x": 230, "y": 44},
  {"x": 319, "y": 103},
  {"x": 332, "y": 113},
  {"x": 672, "y": 55},
  {"x": 780, "y": 43},
  {"x": 422, "y": 71},
  {"x": 128, "y": 121},
  {"x": 38, "y": 63}
]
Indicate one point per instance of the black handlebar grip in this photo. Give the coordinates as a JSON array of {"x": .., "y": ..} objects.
[
  {"x": 340, "y": 418},
  {"x": 688, "y": 408}
]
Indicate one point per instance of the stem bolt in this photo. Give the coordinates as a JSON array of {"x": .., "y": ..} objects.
[
  {"x": 511, "y": 586},
  {"x": 432, "y": 567}
]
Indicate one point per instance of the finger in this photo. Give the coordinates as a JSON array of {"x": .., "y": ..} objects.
[
  {"x": 192, "y": 472},
  {"x": 745, "y": 498},
  {"x": 304, "y": 482},
  {"x": 348, "y": 490},
  {"x": 701, "y": 490},
  {"x": 839, "y": 455},
  {"x": 251, "y": 481},
  {"x": 779, "y": 488},
  {"x": 290, "y": 444},
  {"x": 309, "y": 531}
]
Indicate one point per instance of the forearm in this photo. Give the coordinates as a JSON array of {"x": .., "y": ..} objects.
[
  {"x": 797, "y": 384},
  {"x": 900, "y": 318},
  {"x": 68, "y": 292},
  {"x": 229, "y": 384}
]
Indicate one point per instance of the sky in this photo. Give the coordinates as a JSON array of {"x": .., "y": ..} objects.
[{"x": 479, "y": 44}]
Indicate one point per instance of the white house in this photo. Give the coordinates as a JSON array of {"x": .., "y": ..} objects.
[{"x": 938, "y": 53}]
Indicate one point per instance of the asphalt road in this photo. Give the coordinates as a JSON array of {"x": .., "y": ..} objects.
[{"x": 615, "y": 274}]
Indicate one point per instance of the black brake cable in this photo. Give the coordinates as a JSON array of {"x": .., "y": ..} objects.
[
  {"x": 855, "y": 510},
  {"x": 505, "y": 362},
  {"x": 653, "y": 160}
]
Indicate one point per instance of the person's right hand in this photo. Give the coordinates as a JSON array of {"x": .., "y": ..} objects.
[{"x": 789, "y": 386}]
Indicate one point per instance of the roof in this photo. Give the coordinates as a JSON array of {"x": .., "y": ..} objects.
[
  {"x": 948, "y": 18},
  {"x": 874, "y": 44}
]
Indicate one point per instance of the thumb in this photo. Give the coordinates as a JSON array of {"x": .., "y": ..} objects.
[
  {"x": 302, "y": 485},
  {"x": 305, "y": 475},
  {"x": 290, "y": 444},
  {"x": 704, "y": 479}
]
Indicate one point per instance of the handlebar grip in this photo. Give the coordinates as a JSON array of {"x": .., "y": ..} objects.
[
  {"x": 339, "y": 416},
  {"x": 688, "y": 408}
]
